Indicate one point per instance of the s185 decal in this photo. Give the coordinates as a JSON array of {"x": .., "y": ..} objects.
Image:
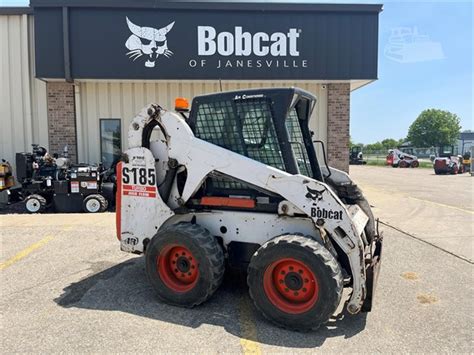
[{"x": 139, "y": 176}]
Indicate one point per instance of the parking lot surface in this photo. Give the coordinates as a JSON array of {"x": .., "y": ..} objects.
[
  {"x": 436, "y": 208},
  {"x": 66, "y": 287}
]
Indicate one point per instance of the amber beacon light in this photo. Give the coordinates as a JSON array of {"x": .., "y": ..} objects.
[{"x": 181, "y": 104}]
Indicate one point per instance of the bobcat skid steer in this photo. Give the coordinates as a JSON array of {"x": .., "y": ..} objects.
[
  {"x": 237, "y": 182},
  {"x": 396, "y": 158}
]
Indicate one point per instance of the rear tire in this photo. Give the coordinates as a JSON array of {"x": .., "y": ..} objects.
[
  {"x": 185, "y": 264},
  {"x": 295, "y": 282},
  {"x": 415, "y": 164},
  {"x": 403, "y": 164},
  {"x": 35, "y": 204},
  {"x": 94, "y": 203}
]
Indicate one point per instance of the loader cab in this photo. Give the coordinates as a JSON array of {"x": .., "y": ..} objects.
[
  {"x": 446, "y": 151},
  {"x": 267, "y": 125}
]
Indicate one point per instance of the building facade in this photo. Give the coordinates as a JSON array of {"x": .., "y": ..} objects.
[{"x": 76, "y": 72}]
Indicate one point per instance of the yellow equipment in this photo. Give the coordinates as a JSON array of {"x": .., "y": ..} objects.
[{"x": 6, "y": 176}]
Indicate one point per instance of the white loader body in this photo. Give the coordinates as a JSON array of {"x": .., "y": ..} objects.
[{"x": 309, "y": 207}]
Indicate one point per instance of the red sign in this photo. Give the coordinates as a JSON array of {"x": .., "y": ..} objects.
[{"x": 139, "y": 190}]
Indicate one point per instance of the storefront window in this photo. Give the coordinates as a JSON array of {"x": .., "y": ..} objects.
[{"x": 110, "y": 140}]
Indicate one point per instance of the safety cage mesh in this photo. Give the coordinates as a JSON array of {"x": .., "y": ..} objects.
[
  {"x": 297, "y": 143},
  {"x": 244, "y": 126}
]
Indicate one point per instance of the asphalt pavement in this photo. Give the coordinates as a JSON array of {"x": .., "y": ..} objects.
[
  {"x": 438, "y": 209},
  {"x": 66, "y": 287}
]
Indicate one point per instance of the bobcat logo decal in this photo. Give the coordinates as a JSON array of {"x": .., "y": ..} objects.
[
  {"x": 314, "y": 195},
  {"x": 147, "y": 41}
]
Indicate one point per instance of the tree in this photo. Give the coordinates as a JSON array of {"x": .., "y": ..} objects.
[
  {"x": 374, "y": 147},
  {"x": 390, "y": 143},
  {"x": 434, "y": 128},
  {"x": 351, "y": 142}
]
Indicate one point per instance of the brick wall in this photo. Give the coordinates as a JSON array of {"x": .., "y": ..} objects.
[
  {"x": 338, "y": 125},
  {"x": 62, "y": 118}
]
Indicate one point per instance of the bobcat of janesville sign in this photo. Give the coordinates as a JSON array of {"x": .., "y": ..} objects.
[{"x": 245, "y": 44}]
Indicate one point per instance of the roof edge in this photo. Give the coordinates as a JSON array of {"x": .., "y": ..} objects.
[
  {"x": 214, "y": 5},
  {"x": 15, "y": 10}
]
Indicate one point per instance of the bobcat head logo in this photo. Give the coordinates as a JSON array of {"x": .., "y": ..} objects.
[
  {"x": 148, "y": 41},
  {"x": 314, "y": 195}
]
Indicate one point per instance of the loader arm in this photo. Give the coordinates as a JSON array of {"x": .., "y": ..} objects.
[{"x": 200, "y": 158}]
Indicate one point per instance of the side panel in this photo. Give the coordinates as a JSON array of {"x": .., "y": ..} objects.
[
  {"x": 140, "y": 209},
  {"x": 247, "y": 227}
]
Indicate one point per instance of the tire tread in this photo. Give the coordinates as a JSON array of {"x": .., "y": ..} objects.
[
  {"x": 41, "y": 200},
  {"x": 213, "y": 251},
  {"x": 319, "y": 251},
  {"x": 103, "y": 202}
]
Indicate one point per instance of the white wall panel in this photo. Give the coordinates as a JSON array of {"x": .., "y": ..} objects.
[
  {"x": 124, "y": 99},
  {"x": 23, "y": 111}
]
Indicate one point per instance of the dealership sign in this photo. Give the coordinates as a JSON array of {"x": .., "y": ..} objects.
[
  {"x": 242, "y": 43},
  {"x": 151, "y": 43},
  {"x": 184, "y": 44}
]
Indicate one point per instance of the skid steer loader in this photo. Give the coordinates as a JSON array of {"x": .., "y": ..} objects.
[{"x": 236, "y": 182}]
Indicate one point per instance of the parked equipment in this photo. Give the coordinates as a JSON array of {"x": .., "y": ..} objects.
[
  {"x": 53, "y": 180},
  {"x": 466, "y": 161},
  {"x": 356, "y": 156},
  {"x": 447, "y": 162},
  {"x": 472, "y": 157},
  {"x": 6, "y": 176},
  {"x": 396, "y": 158},
  {"x": 239, "y": 180}
]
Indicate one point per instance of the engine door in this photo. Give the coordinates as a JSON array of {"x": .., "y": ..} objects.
[{"x": 140, "y": 211}]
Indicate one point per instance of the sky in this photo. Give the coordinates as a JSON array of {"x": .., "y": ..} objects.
[
  {"x": 426, "y": 77},
  {"x": 435, "y": 72}
]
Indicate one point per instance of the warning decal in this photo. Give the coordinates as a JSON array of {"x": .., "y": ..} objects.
[
  {"x": 139, "y": 190},
  {"x": 74, "y": 187}
]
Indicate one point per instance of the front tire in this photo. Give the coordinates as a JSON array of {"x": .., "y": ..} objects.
[
  {"x": 185, "y": 264},
  {"x": 403, "y": 164},
  {"x": 295, "y": 282},
  {"x": 35, "y": 204},
  {"x": 94, "y": 203}
]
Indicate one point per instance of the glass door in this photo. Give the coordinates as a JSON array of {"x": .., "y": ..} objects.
[{"x": 110, "y": 140}]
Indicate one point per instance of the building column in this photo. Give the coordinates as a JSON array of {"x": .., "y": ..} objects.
[
  {"x": 62, "y": 118},
  {"x": 338, "y": 125}
]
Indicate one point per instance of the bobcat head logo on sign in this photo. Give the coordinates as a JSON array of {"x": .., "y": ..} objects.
[{"x": 148, "y": 41}]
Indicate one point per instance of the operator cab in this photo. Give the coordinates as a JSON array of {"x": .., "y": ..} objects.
[
  {"x": 446, "y": 151},
  {"x": 267, "y": 125}
]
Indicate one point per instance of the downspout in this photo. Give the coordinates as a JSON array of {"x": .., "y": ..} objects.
[
  {"x": 66, "y": 51},
  {"x": 82, "y": 154}
]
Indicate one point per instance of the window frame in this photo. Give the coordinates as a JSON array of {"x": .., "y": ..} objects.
[{"x": 100, "y": 135}]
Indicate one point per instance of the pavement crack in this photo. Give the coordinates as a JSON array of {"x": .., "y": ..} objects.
[{"x": 427, "y": 242}]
